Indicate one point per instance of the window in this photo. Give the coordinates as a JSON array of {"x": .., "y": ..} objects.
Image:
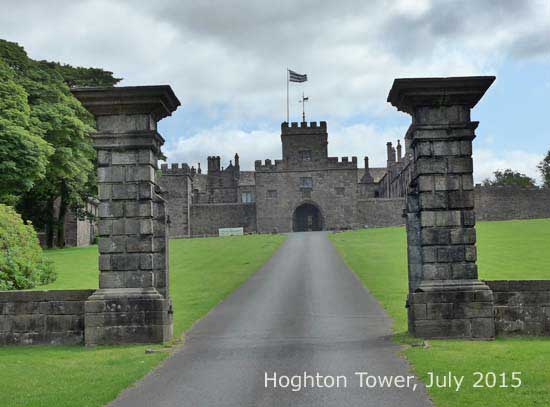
[
  {"x": 306, "y": 182},
  {"x": 247, "y": 197},
  {"x": 305, "y": 155},
  {"x": 272, "y": 193},
  {"x": 340, "y": 191}
]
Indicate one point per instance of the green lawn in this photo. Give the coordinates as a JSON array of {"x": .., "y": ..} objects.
[
  {"x": 202, "y": 273},
  {"x": 506, "y": 250}
]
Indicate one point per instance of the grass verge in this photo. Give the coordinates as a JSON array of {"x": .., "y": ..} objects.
[
  {"x": 202, "y": 273},
  {"x": 506, "y": 250}
]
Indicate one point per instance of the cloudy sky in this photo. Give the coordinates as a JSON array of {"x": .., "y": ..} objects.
[{"x": 226, "y": 61}]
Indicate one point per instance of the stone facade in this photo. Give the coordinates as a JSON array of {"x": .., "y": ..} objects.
[
  {"x": 446, "y": 299},
  {"x": 42, "y": 317},
  {"x": 133, "y": 303},
  {"x": 521, "y": 307}
]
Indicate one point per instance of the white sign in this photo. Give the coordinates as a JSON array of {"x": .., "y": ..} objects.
[{"x": 231, "y": 231}]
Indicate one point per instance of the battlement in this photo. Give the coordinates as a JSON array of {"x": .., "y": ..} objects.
[
  {"x": 304, "y": 128},
  {"x": 268, "y": 165},
  {"x": 335, "y": 162},
  {"x": 175, "y": 169}
]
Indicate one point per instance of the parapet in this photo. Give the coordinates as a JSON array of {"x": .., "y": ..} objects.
[
  {"x": 175, "y": 169},
  {"x": 268, "y": 165},
  {"x": 343, "y": 163},
  {"x": 304, "y": 128}
]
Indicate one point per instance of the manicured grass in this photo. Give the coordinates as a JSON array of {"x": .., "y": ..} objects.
[
  {"x": 202, "y": 273},
  {"x": 506, "y": 250}
]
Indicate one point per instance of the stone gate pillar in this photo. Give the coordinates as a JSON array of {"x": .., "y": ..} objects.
[
  {"x": 133, "y": 303},
  {"x": 446, "y": 299}
]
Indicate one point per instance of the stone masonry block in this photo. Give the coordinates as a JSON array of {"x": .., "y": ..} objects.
[
  {"x": 105, "y": 227},
  {"x": 464, "y": 270},
  {"x": 460, "y": 165},
  {"x": 439, "y": 310},
  {"x": 447, "y": 183},
  {"x": 104, "y": 191},
  {"x": 109, "y": 209},
  {"x": 124, "y": 157},
  {"x": 141, "y": 173},
  {"x": 435, "y": 236},
  {"x": 461, "y": 199},
  {"x": 124, "y": 262},
  {"x": 468, "y": 218},
  {"x": 124, "y": 191},
  {"x": 113, "y": 244},
  {"x": 463, "y": 236},
  {"x": 433, "y": 200},
  {"x": 419, "y": 311},
  {"x": 425, "y": 183},
  {"x": 446, "y": 148},
  {"x": 142, "y": 244},
  {"x": 103, "y": 157},
  {"x": 436, "y": 271},
  {"x": 473, "y": 310},
  {"x": 427, "y": 166},
  {"x": 104, "y": 262}
]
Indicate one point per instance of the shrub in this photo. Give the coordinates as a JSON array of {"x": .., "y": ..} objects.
[{"x": 22, "y": 264}]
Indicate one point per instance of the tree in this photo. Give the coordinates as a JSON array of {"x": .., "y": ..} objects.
[
  {"x": 544, "y": 168},
  {"x": 23, "y": 153},
  {"x": 60, "y": 121},
  {"x": 509, "y": 177}
]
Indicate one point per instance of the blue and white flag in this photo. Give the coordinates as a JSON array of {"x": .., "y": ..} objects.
[{"x": 296, "y": 77}]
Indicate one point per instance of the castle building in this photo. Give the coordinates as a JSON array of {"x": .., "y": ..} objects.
[
  {"x": 304, "y": 190},
  {"x": 308, "y": 190}
]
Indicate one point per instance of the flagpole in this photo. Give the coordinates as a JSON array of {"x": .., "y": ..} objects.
[
  {"x": 303, "y": 108},
  {"x": 287, "y": 108}
]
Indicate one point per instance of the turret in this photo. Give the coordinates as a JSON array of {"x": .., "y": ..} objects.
[
  {"x": 199, "y": 171},
  {"x": 237, "y": 160}
]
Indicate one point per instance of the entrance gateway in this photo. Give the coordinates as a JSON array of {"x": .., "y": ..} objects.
[{"x": 307, "y": 217}]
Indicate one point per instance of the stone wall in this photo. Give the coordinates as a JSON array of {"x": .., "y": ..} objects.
[
  {"x": 522, "y": 307},
  {"x": 333, "y": 191},
  {"x": 42, "y": 317},
  {"x": 176, "y": 183},
  {"x": 208, "y": 218},
  {"x": 510, "y": 202},
  {"x": 380, "y": 212}
]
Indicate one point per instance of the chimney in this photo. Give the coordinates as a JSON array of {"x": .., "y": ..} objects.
[
  {"x": 237, "y": 160},
  {"x": 391, "y": 156},
  {"x": 199, "y": 168},
  {"x": 398, "y": 151},
  {"x": 366, "y": 162}
]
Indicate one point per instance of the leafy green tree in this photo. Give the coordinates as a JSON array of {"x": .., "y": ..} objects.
[
  {"x": 544, "y": 168},
  {"x": 23, "y": 153},
  {"x": 60, "y": 121},
  {"x": 509, "y": 177},
  {"x": 22, "y": 264}
]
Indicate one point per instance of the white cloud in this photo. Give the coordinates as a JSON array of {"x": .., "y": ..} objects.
[
  {"x": 487, "y": 161},
  {"x": 228, "y": 59},
  {"x": 356, "y": 140}
]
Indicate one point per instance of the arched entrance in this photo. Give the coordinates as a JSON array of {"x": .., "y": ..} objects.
[{"x": 307, "y": 217}]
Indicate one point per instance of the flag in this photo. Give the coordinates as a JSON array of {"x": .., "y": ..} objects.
[{"x": 296, "y": 77}]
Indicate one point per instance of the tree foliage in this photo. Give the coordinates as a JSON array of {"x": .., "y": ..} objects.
[
  {"x": 509, "y": 177},
  {"x": 23, "y": 152},
  {"x": 544, "y": 168},
  {"x": 22, "y": 264},
  {"x": 59, "y": 173}
]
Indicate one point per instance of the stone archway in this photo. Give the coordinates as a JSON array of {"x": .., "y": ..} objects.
[{"x": 307, "y": 217}]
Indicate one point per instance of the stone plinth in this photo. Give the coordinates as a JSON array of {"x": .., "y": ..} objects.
[
  {"x": 446, "y": 299},
  {"x": 132, "y": 304}
]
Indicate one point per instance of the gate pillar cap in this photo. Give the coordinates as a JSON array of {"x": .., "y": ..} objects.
[
  {"x": 158, "y": 101},
  {"x": 408, "y": 93}
]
